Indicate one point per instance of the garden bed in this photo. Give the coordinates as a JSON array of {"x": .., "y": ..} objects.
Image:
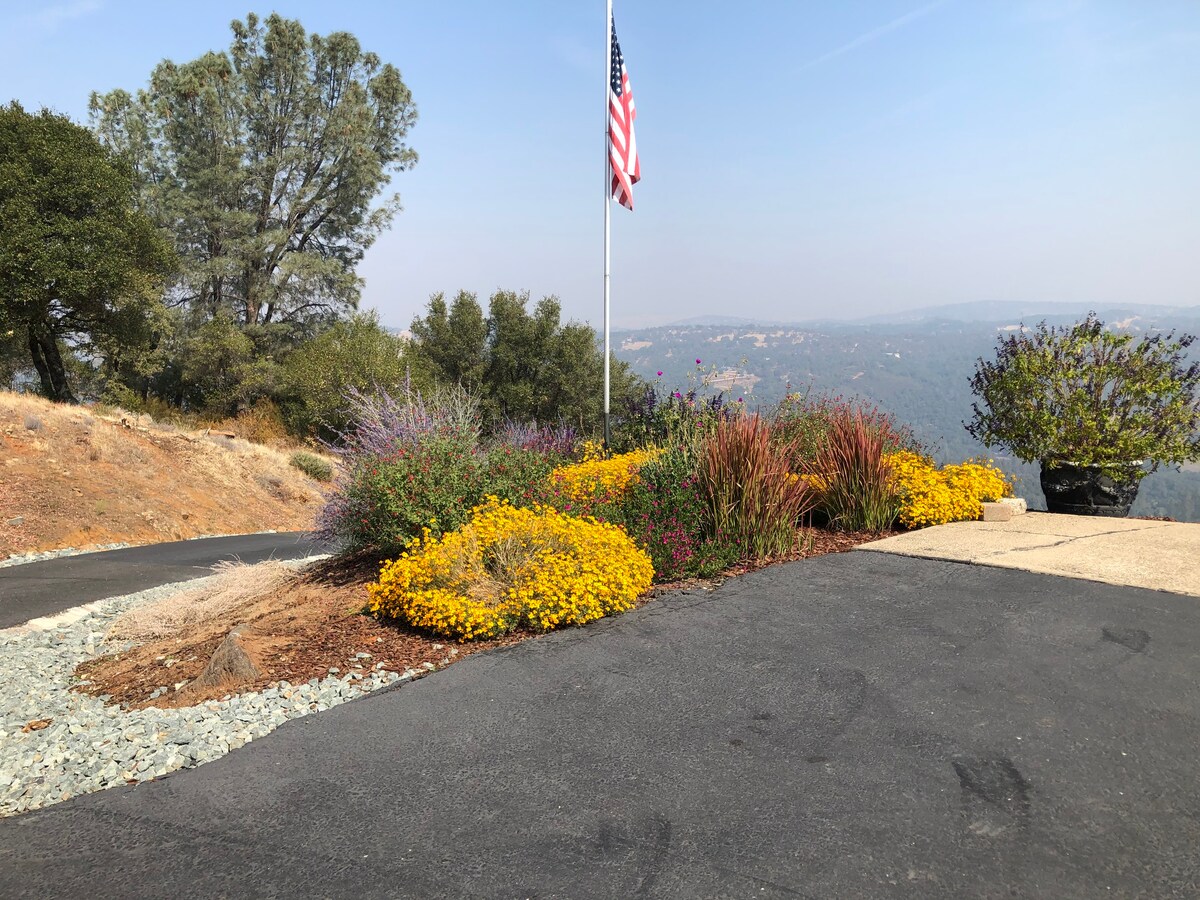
[{"x": 315, "y": 624}]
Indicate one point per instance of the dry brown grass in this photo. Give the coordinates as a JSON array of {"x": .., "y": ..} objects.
[
  {"x": 235, "y": 586},
  {"x": 99, "y": 475}
]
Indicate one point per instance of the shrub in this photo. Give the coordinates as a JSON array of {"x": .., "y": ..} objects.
[
  {"x": 930, "y": 496},
  {"x": 663, "y": 418},
  {"x": 353, "y": 354},
  {"x": 412, "y": 464},
  {"x": 552, "y": 441},
  {"x": 316, "y": 467},
  {"x": 381, "y": 422},
  {"x": 804, "y": 422},
  {"x": 1087, "y": 396},
  {"x": 853, "y": 472},
  {"x": 516, "y": 473},
  {"x": 665, "y": 513},
  {"x": 383, "y": 502},
  {"x": 408, "y": 463},
  {"x": 511, "y": 567},
  {"x": 754, "y": 501}
]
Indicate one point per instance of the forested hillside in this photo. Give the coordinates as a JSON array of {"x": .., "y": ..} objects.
[{"x": 917, "y": 370}]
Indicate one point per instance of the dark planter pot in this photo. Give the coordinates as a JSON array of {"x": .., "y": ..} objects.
[{"x": 1086, "y": 491}]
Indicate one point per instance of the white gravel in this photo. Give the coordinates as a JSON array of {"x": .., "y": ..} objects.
[{"x": 89, "y": 745}]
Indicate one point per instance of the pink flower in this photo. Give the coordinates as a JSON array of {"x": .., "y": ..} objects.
[
  {"x": 697, "y": 362},
  {"x": 660, "y": 374}
]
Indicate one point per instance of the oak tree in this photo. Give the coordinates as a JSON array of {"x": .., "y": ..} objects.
[{"x": 80, "y": 266}]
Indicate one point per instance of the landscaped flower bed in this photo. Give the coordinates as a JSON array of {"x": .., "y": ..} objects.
[{"x": 572, "y": 532}]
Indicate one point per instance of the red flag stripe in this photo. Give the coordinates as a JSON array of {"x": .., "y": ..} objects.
[{"x": 622, "y": 151}]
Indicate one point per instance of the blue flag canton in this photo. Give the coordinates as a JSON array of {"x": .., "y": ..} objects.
[{"x": 618, "y": 63}]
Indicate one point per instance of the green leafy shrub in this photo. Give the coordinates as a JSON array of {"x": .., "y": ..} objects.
[
  {"x": 432, "y": 484},
  {"x": 1088, "y": 396},
  {"x": 754, "y": 500},
  {"x": 356, "y": 353},
  {"x": 516, "y": 473},
  {"x": 411, "y": 465},
  {"x": 665, "y": 512},
  {"x": 316, "y": 467}
]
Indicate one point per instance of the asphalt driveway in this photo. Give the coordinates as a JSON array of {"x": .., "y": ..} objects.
[
  {"x": 861, "y": 725},
  {"x": 51, "y": 585}
]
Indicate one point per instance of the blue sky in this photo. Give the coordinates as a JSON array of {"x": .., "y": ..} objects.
[{"x": 799, "y": 159}]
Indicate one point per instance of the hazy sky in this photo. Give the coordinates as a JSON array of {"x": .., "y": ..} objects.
[{"x": 799, "y": 159}]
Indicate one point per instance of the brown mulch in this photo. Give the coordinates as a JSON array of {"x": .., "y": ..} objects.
[{"x": 316, "y": 623}]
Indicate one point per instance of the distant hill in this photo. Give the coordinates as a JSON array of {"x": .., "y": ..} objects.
[
  {"x": 74, "y": 477},
  {"x": 917, "y": 370},
  {"x": 1030, "y": 313}
]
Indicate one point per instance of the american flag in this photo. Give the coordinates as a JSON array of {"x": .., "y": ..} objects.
[{"x": 622, "y": 146}]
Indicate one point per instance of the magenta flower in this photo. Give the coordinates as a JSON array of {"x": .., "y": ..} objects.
[
  {"x": 697, "y": 362},
  {"x": 660, "y": 374}
]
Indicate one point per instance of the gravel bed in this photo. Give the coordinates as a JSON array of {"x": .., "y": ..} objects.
[
  {"x": 56, "y": 743},
  {"x": 19, "y": 559}
]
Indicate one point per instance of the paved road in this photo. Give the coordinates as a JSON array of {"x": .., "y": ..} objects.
[
  {"x": 52, "y": 585},
  {"x": 860, "y": 725}
]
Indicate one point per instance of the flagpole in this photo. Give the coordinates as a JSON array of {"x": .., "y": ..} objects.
[{"x": 607, "y": 203}]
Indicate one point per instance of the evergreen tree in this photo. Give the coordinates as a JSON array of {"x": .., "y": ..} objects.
[
  {"x": 80, "y": 266},
  {"x": 524, "y": 365},
  {"x": 267, "y": 162}
]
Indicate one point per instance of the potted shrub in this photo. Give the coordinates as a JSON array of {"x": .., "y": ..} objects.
[{"x": 1098, "y": 409}]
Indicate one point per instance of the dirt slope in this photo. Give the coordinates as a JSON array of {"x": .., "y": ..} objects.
[{"x": 70, "y": 477}]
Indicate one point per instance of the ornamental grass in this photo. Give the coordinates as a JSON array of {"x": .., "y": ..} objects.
[
  {"x": 754, "y": 501},
  {"x": 510, "y": 567},
  {"x": 857, "y": 491}
]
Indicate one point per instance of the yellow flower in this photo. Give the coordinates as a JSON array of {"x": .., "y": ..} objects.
[
  {"x": 510, "y": 567},
  {"x": 597, "y": 476},
  {"x": 932, "y": 496}
]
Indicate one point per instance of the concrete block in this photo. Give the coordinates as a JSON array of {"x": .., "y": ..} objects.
[
  {"x": 1017, "y": 504},
  {"x": 997, "y": 512}
]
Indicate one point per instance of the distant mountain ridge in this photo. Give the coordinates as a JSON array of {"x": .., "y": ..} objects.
[{"x": 981, "y": 311}]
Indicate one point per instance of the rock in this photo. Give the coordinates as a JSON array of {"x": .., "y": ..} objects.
[
  {"x": 230, "y": 666},
  {"x": 1017, "y": 504},
  {"x": 16, "y": 520},
  {"x": 997, "y": 512}
]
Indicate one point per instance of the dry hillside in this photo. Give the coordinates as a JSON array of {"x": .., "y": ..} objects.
[{"x": 72, "y": 477}]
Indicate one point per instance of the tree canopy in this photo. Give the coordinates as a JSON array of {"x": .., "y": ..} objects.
[
  {"x": 267, "y": 163},
  {"x": 524, "y": 365},
  {"x": 79, "y": 264}
]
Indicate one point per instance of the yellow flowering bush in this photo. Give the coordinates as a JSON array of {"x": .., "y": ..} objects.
[
  {"x": 509, "y": 567},
  {"x": 933, "y": 496},
  {"x": 597, "y": 476}
]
